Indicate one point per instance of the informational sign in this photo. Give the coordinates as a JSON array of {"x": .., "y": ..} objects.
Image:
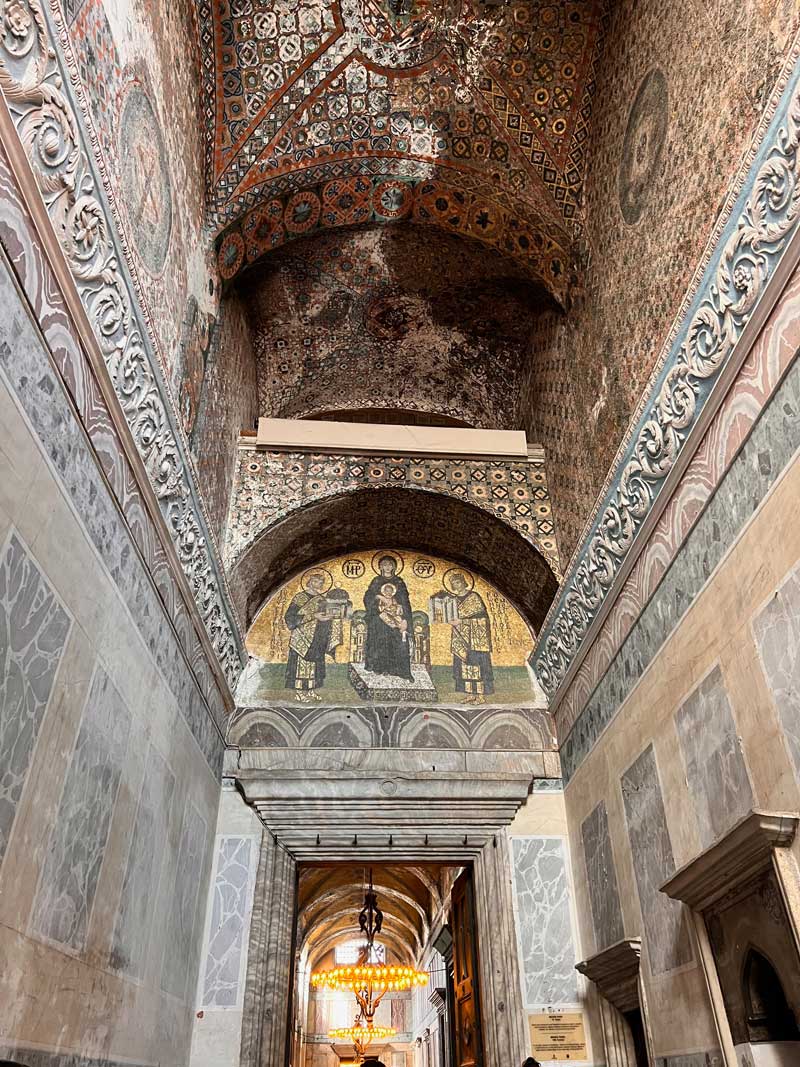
[{"x": 558, "y": 1036}]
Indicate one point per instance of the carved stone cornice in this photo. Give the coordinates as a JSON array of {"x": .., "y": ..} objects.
[
  {"x": 742, "y": 853},
  {"x": 615, "y": 972},
  {"x": 744, "y": 275},
  {"x": 35, "y": 80},
  {"x": 387, "y": 815}
]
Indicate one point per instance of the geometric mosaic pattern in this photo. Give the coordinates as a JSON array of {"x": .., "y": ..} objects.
[
  {"x": 269, "y": 485},
  {"x": 487, "y": 101}
]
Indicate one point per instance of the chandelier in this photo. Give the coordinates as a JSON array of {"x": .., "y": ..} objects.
[
  {"x": 361, "y": 1036},
  {"x": 369, "y": 982}
]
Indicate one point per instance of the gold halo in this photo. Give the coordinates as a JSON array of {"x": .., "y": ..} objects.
[
  {"x": 398, "y": 559},
  {"x": 313, "y": 571},
  {"x": 447, "y": 578}
]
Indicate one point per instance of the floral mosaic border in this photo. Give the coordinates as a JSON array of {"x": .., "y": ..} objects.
[
  {"x": 36, "y": 79},
  {"x": 763, "y": 220}
]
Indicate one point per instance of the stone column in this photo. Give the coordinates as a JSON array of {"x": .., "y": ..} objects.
[
  {"x": 269, "y": 965},
  {"x": 502, "y": 1009}
]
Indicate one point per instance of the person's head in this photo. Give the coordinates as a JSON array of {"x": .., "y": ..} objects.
[
  {"x": 458, "y": 583},
  {"x": 387, "y": 589},
  {"x": 316, "y": 582},
  {"x": 531, "y": 1062},
  {"x": 372, "y": 1061},
  {"x": 387, "y": 566}
]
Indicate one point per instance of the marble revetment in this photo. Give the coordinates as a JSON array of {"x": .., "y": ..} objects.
[
  {"x": 602, "y": 879},
  {"x": 715, "y": 768},
  {"x": 665, "y": 928},
  {"x": 777, "y": 634},
  {"x": 547, "y": 953},
  {"x": 143, "y": 869},
  {"x": 180, "y": 947},
  {"x": 71, "y": 871},
  {"x": 33, "y": 633}
]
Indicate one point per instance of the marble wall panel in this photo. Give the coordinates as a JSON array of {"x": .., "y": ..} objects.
[
  {"x": 777, "y": 633},
  {"x": 33, "y": 633},
  {"x": 715, "y": 768},
  {"x": 180, "y": 949},
  {"x": 749, "y": 480},
  {"x": 602, "y": 879},
  {"x": 665, "y": 928},
  {"x": 230, "y": 914},
  {"x": 544, "y": 923},
  {"x": 134, "y": 920},
  {"x": 68, "y": 882}
]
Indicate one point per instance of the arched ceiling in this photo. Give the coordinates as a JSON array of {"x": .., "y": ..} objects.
[
  {"x": 330, "y": 899},
  {"x": 392, "y": 318},
  {"x": 372, "y": 518},
  {"x": 469, "y": 115}
]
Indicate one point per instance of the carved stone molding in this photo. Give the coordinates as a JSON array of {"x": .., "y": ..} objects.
[
  {"x": 389, "y": 815},
  {"x": 758, "y": 231},
  {"x": 615, "y": 972},
  {"x": 742, "y": 853},
  {"x": 35, "y": 80}
]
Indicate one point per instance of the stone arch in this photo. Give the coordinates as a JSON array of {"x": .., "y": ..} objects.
[
  {"x": 417, "y": 519},
  {"x": 434, "y": 731}
]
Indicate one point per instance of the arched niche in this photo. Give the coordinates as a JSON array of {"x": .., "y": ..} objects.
[{"x": 421, "y": 520}]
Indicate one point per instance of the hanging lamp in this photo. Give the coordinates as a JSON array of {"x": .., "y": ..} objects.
[{"x": 368, "y": 981}]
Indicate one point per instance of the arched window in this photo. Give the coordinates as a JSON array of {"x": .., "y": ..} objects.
[{"x": 769, "y": 1017}]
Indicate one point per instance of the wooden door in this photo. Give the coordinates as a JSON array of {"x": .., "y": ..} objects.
[{"x": 469, "y": 1048}]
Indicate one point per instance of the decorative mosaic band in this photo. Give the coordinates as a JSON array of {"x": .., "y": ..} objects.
[
  {"x": 270, "y": 485},
  {"x": 348, "y": 200},
  {"x": 35, "y": 81},
  {"x": 760, "y": 227}
]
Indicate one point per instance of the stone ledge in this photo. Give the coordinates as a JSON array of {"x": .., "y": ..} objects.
[{"x": 743, "y": 852}]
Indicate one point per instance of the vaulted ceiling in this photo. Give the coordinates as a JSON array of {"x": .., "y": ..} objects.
[
  {"x": 330, "y": 899},
  {"x": 469, "y": 115}
]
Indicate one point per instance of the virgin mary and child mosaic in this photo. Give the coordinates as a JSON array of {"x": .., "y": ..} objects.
[{"x": 389, "y": 627}]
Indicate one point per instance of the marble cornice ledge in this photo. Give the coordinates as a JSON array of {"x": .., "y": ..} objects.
[
  {"x": 615, "y": 972},
  {"x": 45, "y": 134},
  {"x": 385, "y": 815},
  {"x": 757, "y": 249},
  {"x": 740, "y": 855}
]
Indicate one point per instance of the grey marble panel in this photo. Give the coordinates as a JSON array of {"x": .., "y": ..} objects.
[
  {"x": 777, "y": 634},
  {"x": 715, "y": 768},
  {"x": 135, "y": 913},
  {"x": 70, "y": 873},
  {"x": 180, "y": 950},
  {"x": 757, "y": 467},
  {"x": 33, "y": 633},
  {"x": 36, "y": 386},
  {"x": 229, "y": 914},
  {"x": 666, "y": 932},
  {"x": 547, "y": 954},
  {"x": 602, "y": 878}
]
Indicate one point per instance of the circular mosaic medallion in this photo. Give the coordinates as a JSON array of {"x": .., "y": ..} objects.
[
  {"x": 145, "y": 180},
  {"x": 392, "y": 199},
  {"x": 302, "y": 213},
  {"x": 643, "y": 146},
  {"x": 231, "y": 255}
]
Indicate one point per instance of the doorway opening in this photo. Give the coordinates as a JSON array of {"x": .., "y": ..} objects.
[{"x": 386, "y": 966}]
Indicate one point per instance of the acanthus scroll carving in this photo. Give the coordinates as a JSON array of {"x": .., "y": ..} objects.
[
  {"x": 32, "y": 83},
  {"x": 747, "y": 262}
]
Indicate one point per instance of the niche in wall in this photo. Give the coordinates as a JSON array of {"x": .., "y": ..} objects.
[{"x": 757, "y": 962}]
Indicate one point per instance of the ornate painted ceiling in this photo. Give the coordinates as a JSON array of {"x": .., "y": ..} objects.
[{"x": 470, "y": 115}]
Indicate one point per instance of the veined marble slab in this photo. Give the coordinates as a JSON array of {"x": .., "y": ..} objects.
[
  {"x": 33, "y": 634},
  {"x": 71, "y": 870}
]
